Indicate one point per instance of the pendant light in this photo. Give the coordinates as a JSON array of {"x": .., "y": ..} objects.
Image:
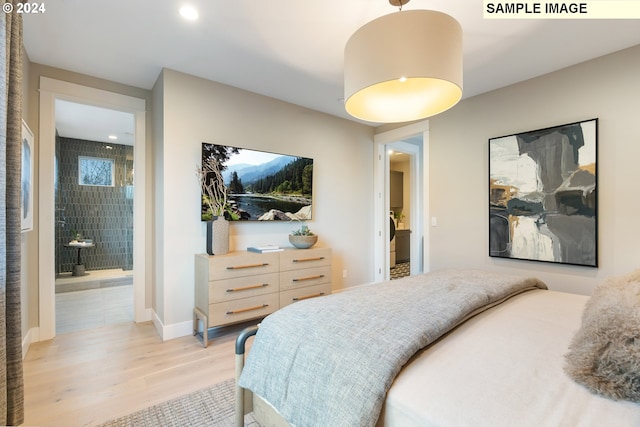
[{"x": 404, "y": 66}]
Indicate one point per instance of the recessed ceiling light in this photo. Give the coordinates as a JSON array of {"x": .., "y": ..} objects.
[
  {"x": 114, "y": 137},
  {"x": 189, "y": 12}
]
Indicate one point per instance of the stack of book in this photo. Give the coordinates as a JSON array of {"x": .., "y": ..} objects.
[{"x": 265, "y": 248}]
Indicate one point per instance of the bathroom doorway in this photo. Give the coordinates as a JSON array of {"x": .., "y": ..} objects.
[
  {"x": 93, "y": 185},
  {"x": 403, "y": 169},
  {"x": 400, "y": 170},
  {"x": 52, "y": 90}
]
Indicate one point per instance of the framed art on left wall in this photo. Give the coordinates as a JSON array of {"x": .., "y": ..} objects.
[
  {"x": 27, "y": 178},
  {"x": 543, "y": 195}
]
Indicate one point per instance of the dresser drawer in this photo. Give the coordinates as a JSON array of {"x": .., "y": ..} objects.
[
  {"x": 294, "y": 295},
  {"x": 228, "y": 312},
  {"x": 305, "y": 277},
  {"x": 242, "y": 264},
  {"x": 304, "y": 258},
  {"x": 243, "y": 287}
]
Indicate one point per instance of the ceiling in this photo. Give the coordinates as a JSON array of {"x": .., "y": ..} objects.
[
  {"x": 292, "y": 50},
  {"x": 92, "y": 123}
]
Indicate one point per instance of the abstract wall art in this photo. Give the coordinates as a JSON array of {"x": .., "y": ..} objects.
[
  {"x": 27, "y": 178},
  {"x": 543, "y": 195}
]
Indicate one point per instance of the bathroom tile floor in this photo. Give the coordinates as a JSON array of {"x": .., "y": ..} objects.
[
  {"x": 92, "y": 308},
  {"x": 402, "y": 269}
]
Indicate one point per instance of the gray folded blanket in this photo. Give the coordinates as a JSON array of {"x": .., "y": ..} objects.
[{"x": 329, "y": 361}]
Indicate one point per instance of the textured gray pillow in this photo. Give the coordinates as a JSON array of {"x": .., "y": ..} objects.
[{"x": 604, "y": 355}]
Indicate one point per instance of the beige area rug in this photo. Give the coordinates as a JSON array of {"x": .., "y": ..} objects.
[{"x": 212, "y": 406}]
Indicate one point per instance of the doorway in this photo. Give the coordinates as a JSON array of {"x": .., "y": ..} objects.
[
  {"x": 409, "y": 145},
  {"x": 93, "y": 185},
  {"x": 50, "y": 91},
  {"x": 401, "y": 171}
]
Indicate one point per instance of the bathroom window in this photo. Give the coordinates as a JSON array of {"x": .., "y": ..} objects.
[{"x": 95, "y": 171}]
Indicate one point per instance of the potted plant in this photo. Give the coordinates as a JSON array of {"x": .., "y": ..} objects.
[
  {"x": 303, "y": 237},
  {"x": 76, "y": 236},
  {"x": 214, "y": 196}
]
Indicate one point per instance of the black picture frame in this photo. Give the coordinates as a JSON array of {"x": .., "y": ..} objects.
[{"x": 543, "y": 203}]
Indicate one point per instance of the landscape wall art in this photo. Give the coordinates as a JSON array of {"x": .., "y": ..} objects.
[
  {"x": 543, "y": 195},
  {"x": 260, "y": 185}
]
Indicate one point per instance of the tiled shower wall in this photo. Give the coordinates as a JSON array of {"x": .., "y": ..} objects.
[{"x": 104, "y": 214}]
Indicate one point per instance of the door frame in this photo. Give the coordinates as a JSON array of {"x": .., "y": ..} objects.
[
  {"x": 50, "y": 90},
  {"x": 419, "y": 193}
]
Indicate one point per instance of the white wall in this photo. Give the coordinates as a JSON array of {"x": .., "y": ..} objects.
[
  {"x": 607, "y": 88},
  {"x": 159, "y": 201},
  {"x": 195, "y": 110},
  {"x": 29, "y": 240}
]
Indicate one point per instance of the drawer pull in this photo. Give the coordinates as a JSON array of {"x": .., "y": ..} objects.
[
  {"x": 302, "y": 279},
  {"x": 246, "y": 288},
  {"x": 308, "y": 296},
  {"x": 240, "y": 267},
  {"x": 320, "y": 258},
  {"x": 243, "y": 310}
]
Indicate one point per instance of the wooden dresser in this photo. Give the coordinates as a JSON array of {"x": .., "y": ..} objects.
[{"x": 242, "y": 285}]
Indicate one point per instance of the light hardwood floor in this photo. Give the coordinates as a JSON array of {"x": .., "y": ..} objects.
[{"x": 88, "y": 377}]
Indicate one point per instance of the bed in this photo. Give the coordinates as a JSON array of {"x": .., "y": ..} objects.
[{"x": 498, "y": 350}]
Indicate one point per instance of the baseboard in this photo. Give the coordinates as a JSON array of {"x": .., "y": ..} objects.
[
  {"x": 176, "y": 330},
  {"x": 32, "y": 335}
]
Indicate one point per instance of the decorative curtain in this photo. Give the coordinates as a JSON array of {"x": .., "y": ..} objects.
[{"x": 11, "y": 380}]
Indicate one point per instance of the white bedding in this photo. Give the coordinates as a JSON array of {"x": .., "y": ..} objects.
[{"x": 503, "y": 368}]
